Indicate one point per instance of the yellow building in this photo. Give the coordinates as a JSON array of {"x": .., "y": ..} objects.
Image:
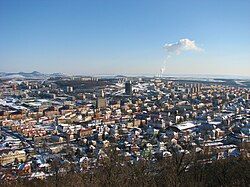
[{"x": 11, "y": 156}]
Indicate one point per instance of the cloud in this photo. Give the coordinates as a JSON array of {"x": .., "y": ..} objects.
[{"x": 182, "y": 45}]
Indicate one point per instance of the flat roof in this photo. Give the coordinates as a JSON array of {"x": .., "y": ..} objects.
[{"x": 186, "y": 125}]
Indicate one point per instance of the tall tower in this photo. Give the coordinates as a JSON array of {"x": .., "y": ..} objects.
[
  {"x": 128, "y": 88},
  {"x": 101, "y": 101}
]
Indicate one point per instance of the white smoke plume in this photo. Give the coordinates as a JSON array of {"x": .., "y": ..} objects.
[
  {"x": 182, "y": 45},
  {"x": 177, "y": 48},
  {"x": 164, "y": 66}
]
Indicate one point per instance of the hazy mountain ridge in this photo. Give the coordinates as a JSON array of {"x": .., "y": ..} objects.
[{"x": 25, "y": 75}]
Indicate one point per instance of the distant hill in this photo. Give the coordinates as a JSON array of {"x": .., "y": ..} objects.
[{"x": 27, "y": 75}]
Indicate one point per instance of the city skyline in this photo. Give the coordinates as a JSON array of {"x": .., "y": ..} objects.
[
  {"x": 124, "y": 93},
  {"x": 124, "y": 37}
]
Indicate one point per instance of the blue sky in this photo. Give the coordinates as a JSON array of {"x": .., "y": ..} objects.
[{"x": 124, "y": 37}]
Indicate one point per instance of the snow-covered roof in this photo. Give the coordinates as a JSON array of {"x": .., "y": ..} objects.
[{"x": 186, "y": 125}]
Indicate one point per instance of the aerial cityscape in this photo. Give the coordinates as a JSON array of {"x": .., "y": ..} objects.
[{"x": 124, "y": 93}]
